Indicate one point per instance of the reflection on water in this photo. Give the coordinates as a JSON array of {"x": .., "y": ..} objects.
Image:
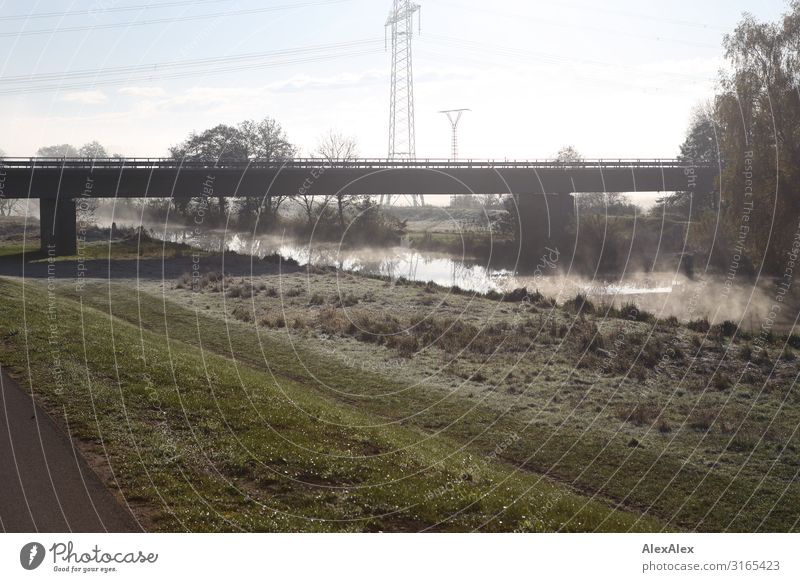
[
  {"x": 665, "y": 294},
  {"x": 392, "y": 262},
  {"x": 414, "y": 265}
]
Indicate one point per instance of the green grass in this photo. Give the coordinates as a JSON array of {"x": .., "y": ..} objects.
[
  {"x": 200, "y": 442},
  {"x": 131, "y": 249},
  {"x": 655, "y": 478},
  {"x": 8, "y": 249}
]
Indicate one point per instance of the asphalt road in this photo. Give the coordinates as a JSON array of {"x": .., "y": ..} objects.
[{"x": 45, "y": 484}]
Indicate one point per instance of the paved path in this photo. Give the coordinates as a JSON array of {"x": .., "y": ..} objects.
[{"x": 45, "y": 484}]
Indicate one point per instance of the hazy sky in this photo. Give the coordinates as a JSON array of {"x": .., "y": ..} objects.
[{"x": 615, "y": 79}]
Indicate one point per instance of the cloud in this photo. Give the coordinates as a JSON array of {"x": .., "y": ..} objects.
[
  {"x": 143, "y": 91},
  {"x": 209, "y": 95},
  {"x": 85, "y": 97},
  {"x": 302, "y": 81}
]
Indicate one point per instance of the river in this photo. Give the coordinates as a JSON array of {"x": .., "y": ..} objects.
[{"x": 663, "y": 293}]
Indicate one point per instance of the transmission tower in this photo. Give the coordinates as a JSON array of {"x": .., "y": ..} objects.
[
  {"x": 402, "y": 140},
  {"x": 454, "y": 115}
]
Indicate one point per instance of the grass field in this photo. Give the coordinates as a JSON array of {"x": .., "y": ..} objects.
[
  {"x": 198, "y": 441},
  {"x": 325, "y": 401}
]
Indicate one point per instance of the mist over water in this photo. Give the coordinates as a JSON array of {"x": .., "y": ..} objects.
[{"x": 750, "y": 305}]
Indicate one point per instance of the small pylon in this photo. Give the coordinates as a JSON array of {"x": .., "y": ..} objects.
[{"x": 454, "y": 115}]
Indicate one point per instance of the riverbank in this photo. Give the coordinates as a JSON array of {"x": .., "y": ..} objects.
[{"x": 672, "y": 426}]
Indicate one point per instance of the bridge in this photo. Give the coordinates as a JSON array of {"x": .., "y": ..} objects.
[{"x": 542, "y": 188}]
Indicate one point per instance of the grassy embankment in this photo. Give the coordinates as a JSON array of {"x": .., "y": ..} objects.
[
  {"x": 711, "y": 451},
  {"x": 199, "y": 441},
  {"x": 703, "y": 453}
]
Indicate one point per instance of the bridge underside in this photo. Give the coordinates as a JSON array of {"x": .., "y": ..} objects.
[
  {"x": 137, "y": 182},
  {"x": 543, "y": 192}
]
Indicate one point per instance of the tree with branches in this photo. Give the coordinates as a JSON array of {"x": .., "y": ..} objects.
[
  {"x": 250, "y": 140},
  {"x": 336, "y": 147}
]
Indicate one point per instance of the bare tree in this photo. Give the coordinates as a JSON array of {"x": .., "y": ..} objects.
[
  {"x": 7, "y": 205},
  {"x": 337, "y": 147},
  {"x": 266, "y": 140}
]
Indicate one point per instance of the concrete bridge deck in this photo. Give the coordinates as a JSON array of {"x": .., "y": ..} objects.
[
  {"x": 542, "y": 188},
  {"x": 160, "y": 177}
]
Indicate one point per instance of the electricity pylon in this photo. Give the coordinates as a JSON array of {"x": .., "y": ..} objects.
[
  {"x": 402, "y": 138},
  {"x": 454, "y": 115}
]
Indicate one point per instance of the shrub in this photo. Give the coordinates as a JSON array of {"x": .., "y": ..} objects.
[
  {"x": 722, "y": 381},
  {"x": 493, "y": 295},
  {"x": 276, "y": 259},
  {"x": 726, "y": 329},
  {"x": 516, "y": 296},
  {"x": 671, "y": 321},
  {"x": 580, "y": 304},
  {"x": 244, "y": 290},
  {"x": 640, "y": 414},
  {"x": 742, "y": 442},
  {"x": 405, "y": 344},
  {"x": 631, "y": 312},
  {"x": 347, "y": 300},
  {"x": 702, "y": 420},
  {"x": 243, "y": 313},
  {"x": 652, "y": 352},
  {"x": 316, "y": 299},
  {"x": 329, "y": 320},
  {"x": 588, "y": 336},
  {"x": 184, "y": 282},
  {"x": 212, "y": 281},
  {"x": 746, "y": 353},
  {"x": 699, "y": 325}
]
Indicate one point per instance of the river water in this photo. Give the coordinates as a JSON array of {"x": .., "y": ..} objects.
[{"x": 663, "y": 293}]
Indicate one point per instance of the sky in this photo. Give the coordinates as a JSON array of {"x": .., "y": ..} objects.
[{"x": 617, "y": 79}]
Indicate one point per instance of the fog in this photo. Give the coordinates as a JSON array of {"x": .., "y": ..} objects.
[{"x": 753, "y": 305}]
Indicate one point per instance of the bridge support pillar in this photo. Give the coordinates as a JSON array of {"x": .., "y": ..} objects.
[
  {"x": 544, "y": 221},
  {"x": 58, "y": 227}
]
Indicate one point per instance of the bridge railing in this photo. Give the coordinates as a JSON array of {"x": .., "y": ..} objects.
[{"x": 317, "y": 163}]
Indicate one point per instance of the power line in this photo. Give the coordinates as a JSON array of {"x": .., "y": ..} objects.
[
  {"x": 675, "y": 21},
  {"x": 106, "y": 10},
  {"x": 166, "y": 66},
  {"x": 43, "y": 82},
  {"x": 596, "y": 8},
  {"x": 598, "y": 81},
  {"x": 128, "y": 24},
  {"x": 483, "y": 48},
  {"x": 288, "y": 58}
]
